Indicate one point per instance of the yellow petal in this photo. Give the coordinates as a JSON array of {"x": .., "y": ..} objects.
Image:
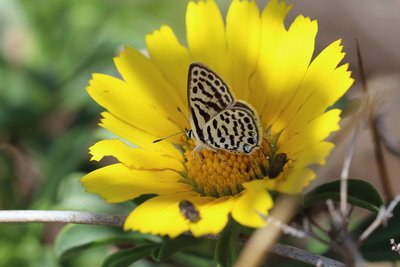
[
  {"x": 317, "y": 103},
  {"x": 242, "y": 23},
  {"x": 314, "y": 154},
  {"x": 117, "y": 183},
  {"x": 295, "y": 181},
  {"x": 273, "y": 34},
  {"x": 318, "y": 72},
  {"x": 159, "y": 215},
  {"x": 134, "y": 158},
  {"x": 214, "y": 216},
  {"x": 324, "y": 96},
  {"x": 147, "y": 84},
  {"x": 251, "y": 204},
  {"x": 118, "y": 98},
  {"x": 289, "y": 63},
  {"x": 313, "y": 132},
  {"x": 206, "y": 35},
  {"x": 138, "y": 137},
  {"x": 172, "y": 58}
]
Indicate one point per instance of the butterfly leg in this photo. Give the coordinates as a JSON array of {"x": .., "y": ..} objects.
[
  {"x": 215, "y": 151},
  {"x": 196, "y": 153},
  {"x": 219, "y": 155}
]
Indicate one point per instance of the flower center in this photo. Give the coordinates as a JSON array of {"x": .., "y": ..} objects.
[{"x": 222, "y": 173}]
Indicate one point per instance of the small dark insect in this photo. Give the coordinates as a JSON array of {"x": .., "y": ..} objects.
[
  {"x": 276, "y": 165},
  {"x": 189, "y": 211}
]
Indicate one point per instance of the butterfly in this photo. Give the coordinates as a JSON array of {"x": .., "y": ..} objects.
[{"x": 219, "y": 121}]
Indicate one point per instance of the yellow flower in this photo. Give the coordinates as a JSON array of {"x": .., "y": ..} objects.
[{"x": 264, "y": 64}]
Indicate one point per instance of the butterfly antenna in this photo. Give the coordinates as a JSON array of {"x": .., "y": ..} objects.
[
  {"x": 158, "y": 140},
  {"x": 265, "y": 139}
]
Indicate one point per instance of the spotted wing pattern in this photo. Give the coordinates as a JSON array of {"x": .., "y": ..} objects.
[
  {"x": 207, "y": 95},
  {"x": 217, "y": 119},
  {"x": 235, "y": 129}
]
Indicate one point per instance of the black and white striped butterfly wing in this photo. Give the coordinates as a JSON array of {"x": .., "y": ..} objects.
[
  {"x": 235, "y": 129},
  {"x": 208, "y": 95}
]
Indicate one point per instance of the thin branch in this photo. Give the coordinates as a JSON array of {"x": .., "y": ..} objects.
[
  {"x": 378, "y": 151},
  {"x": 303, "y": 256},
  {"x": 344, "y": 176},
  {"x": 350, "y": 252},
  {"x": 380, "y": 160},
  {"x": 383, "y": 215},
  {"x": 393, "y": 203},
  {"x": 298, "y": 254},
  {"x": 47, "y": 216},
  {"x": 374, "y": 225},
  {"x": 395, "y": 246},
  {"x": 286, "y": 229},
  {"x": 336, "y": 217},
  {"x": 343, "y": 243}
]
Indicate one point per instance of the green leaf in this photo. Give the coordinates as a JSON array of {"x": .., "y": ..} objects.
[
  {"x": 360, "y": 193},
  {"x": 143, "y": 198},
  {"x": 227, "y": 249},
  {"x": 192, "y": 260},
  {"x": 172, "y": 246},
  {"x": 74, "y": 238},
  {"x": 126, "y": 257}
]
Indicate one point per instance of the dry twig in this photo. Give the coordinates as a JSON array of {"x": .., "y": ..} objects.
[
  {"x": 383, "y": 215},
  {"x": 378, "y": 151},
  {"x": 345, "y": 173},
  {"x": 51, "y": 216}
]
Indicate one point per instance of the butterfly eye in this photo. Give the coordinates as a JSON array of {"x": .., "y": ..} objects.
[{"x": 189, "y": 133}]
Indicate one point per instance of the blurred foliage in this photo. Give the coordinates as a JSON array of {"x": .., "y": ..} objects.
[{"x": 48, "y": 50}]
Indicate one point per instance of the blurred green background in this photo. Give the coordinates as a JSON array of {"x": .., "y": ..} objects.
[{"x": 48, "y": 50}]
